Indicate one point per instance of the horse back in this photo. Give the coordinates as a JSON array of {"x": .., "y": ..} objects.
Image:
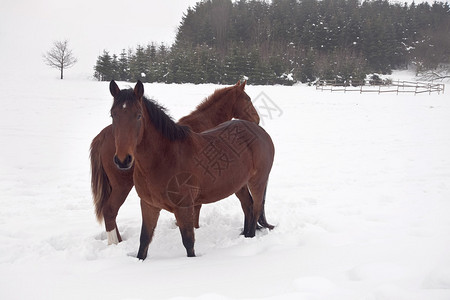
[{"x": 241, "y": 136}]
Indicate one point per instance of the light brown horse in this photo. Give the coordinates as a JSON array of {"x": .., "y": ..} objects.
[
  {"x": 177, "y": 169},
  {"x": 111, "y": 186}
]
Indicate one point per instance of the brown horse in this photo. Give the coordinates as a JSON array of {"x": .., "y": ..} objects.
[
  {"x": 111, "y": 186},
  {"x": 177, "y": 169}
]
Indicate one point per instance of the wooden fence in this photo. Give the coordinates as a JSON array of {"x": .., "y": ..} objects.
[{"x": 415, "y": 87}]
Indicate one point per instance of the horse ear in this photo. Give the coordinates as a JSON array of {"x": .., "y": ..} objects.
[
  {"x": 243, "y": 85},
  {"x": 238, "y": 83},
  {"x": 114, "y": 88},
  {"x": 139, "y": 89}
]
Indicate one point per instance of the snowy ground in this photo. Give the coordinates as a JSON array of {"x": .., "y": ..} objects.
[{"x": 360, "y": 194}]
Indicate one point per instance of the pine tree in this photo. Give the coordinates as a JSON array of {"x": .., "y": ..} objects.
[
  {"x": 123, "y": 68},
  {"x": 224, "y": 41},
  {"x": 104, "y": 68},
  {"x": 163, "y": 63},
  {"x": 138, "y": 65},
  {"x": 115, "y": 67},
  {"x": 151, "y": 65}
]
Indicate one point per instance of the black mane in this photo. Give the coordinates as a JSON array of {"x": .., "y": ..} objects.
[{"x": 158, "y": 116}]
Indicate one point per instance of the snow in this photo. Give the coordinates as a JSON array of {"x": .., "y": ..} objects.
[{"x": 359, "y": 194}]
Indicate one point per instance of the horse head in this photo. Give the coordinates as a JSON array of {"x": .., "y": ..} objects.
[
  {"x": 126, "y": 113},
  {"x": 243, "y": 107}
]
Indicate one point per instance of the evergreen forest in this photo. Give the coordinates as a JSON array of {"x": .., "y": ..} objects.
[{"x": 288, "y": 41}]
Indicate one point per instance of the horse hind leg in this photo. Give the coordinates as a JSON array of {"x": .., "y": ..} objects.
[
  {"x": 247, "y": 206},
  {"x": 110, "y": 211},
  {"x": 262, "y": 218},
  {"x": 258, "y": 192}
]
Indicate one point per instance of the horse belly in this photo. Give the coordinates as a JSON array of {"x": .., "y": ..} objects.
[{"x": 222, "y": 187}]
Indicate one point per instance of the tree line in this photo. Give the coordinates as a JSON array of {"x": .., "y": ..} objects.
[{"x": 287, "y": 41}]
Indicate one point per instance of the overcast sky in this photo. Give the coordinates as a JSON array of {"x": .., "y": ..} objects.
[{"x": 29, "y": 27}]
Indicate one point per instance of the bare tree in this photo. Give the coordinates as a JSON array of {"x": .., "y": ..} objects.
[
  {"x": 440, "y": 73},
  {"x": 60, "y": 56}
]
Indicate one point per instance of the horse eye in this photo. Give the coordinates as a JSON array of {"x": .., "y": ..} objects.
[{"x": 139, "y": 116}]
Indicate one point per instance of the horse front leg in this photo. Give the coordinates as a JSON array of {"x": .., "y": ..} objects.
[
  {"x": 150, "y": 217},
  {"x": 185, "y": 220},
  {"x": 197, "y": 216}
]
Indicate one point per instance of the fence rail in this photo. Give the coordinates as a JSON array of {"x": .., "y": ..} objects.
[{"x": 415, "y": 87}]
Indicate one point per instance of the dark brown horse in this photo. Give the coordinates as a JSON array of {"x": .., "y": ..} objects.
[
  {"x": 177, "y": 169},
  {"x": 111, "y": 186}
]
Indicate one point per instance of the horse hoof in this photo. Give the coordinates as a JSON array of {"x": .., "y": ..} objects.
[
  {"x": 247, "y": 234},
  {"x": 250, "y": 234},
  {"x": 142, "y": 255}
]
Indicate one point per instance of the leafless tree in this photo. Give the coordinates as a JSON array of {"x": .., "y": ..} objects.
[
  {"x": 60, "y": 56},
  {"x": 440, "y": 73}
]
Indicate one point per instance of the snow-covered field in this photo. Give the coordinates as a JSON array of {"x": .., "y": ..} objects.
[{"x": 359, "y": 191}]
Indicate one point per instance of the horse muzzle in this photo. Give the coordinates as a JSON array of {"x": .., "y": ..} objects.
[{"x": 124, "y": 164}]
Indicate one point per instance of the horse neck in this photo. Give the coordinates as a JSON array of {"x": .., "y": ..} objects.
[
  {"x": 222, "y": 110},
  {"x": 154, "y": 142},
  {"x": 219, "y": 111}
]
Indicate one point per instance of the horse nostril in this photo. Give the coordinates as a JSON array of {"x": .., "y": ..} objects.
[{"x": 124, "y": 165}]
